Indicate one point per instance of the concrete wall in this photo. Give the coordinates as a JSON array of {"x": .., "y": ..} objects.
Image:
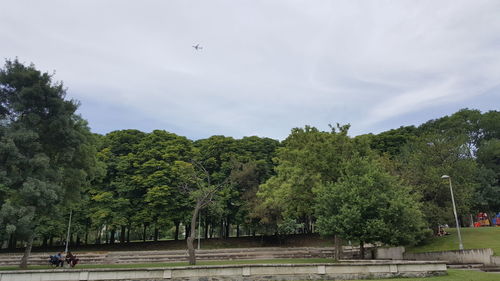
[
  {"x": 495, "y": 261},
  {"x": 483, "y": 256},
  {"x": 392, "y": 253},
  {"x": 340, "y": 271}
]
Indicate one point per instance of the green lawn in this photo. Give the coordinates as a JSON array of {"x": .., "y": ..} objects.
[
  {"x": 473, "y": 238},
  {"x": 454, "y": 275}
]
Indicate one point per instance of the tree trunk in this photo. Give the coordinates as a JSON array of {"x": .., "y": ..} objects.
[
  {"x": 27, "y": 252},
  {"x": 206, "y": 229},
  {"x": 44, "y": 242},
  {"x": 12, "y": 241},
  {"x": 337, "y": 255},
  {"x": 157, "y": 232},
  {"x": 176, "y": 234},
  {"x": 190, "y": 239},
  {"x": 362, "y": 250},
  {"x": 86, "y": 235},
  {"x": 238, "y": 230},
  {"x": 122, "y": 234},
  {"x": 128, "y": 232},
  {"x": 228, "y": 229},
  {"x": 98, "y": 237},
  {"x": 188, "y": 232},
  {"x": 221, "y": 231},
  {"x": 112, "y": 236},
  {"x": 106, "y": 235},
  {"x": 51, "y": 240},
  {"x": 144, "y": 233}
]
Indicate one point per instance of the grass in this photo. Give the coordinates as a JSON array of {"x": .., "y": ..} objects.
[
  {"x": 172, "y": 264},
  {"x": 454, "y": 275},
  {"x": 472, "y": 237}
]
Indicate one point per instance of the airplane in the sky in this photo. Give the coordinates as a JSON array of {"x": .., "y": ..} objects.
[{"x": 197, "y": 47}]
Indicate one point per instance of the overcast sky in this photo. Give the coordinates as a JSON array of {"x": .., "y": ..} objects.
[{"x": 266, "y": 66}]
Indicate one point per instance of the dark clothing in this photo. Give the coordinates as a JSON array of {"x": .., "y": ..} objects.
[
  {"x": 71, "y": 259},
  {"x": 57, "y": 260}
]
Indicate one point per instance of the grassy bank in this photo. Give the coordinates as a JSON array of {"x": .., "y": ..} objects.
[{"x": 473, "y": 238}]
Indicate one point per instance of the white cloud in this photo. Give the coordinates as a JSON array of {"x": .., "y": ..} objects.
[{"x": 266, "y": 66}]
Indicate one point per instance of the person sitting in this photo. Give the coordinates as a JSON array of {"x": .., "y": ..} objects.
[
  {"x": 442, "y": 232},
  {"x": 57, "y": 259},
  {"x": 71, "y": 259}
]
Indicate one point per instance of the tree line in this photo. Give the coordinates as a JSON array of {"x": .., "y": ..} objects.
[{"x": 130, "y": 185}]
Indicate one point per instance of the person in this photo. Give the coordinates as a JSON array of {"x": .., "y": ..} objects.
[
  {"x": 57, "y": 259},
  {"x": 71, "y": 259},
  {"x": 442, "y": 232}
]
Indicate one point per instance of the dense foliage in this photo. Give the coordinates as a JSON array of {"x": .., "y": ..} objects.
[
  {"x": 47, "y": 153},
  {"x": 369, "y": 205},
  {"x": 130, "y": 185}
]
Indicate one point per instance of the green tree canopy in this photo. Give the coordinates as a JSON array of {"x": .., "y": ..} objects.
[
  {"x": 367, "y": 204},
  {"x": 308, "y": 159},
  {"x": 47, "y": 153}
]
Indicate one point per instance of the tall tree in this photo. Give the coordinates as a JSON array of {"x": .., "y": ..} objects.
[
  {"x": 46, "y": 151},
  {"x": 488, "y": 192},
  {"x": 201, "y": 190},
  {"x": 307, "y": 159},
  {"x": 157, "y": 177},
  {"x": 223, "y": 155},
  {"x": 115, "y": 200},
  {"x": 369, "y": 205},
  {"x": 421, "y": 165}
]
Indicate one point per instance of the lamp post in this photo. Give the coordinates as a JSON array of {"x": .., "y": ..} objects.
[
  {"x": 460, "y": 245},
  {"x": 67, "y": 236}
]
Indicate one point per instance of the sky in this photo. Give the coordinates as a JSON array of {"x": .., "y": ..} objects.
[{"x": 266, "y": 65}]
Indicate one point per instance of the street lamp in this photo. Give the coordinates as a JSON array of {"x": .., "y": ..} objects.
[
  {"x": 460, "y": 245},
  {"x": 69, "y": 227}
]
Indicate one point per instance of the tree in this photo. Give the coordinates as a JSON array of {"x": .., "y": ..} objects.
[
  {"x": 246, "y": 178},
  {"x": 47, "y": 152},
  {"x": 308, "y": 159},
  {"x": 470, "y": 125},
  {"x": 392, "y": 141},
  {"x": 421, "y": 165},
  {"x": 221, "y": 156},
  {"x": 157, "y": 179},
  {"x": 202, "y": 191},
  {"x": 117, "y": 199},
  {"x": 488, "y": 192},
  {"x": 369, "y": 205}
]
